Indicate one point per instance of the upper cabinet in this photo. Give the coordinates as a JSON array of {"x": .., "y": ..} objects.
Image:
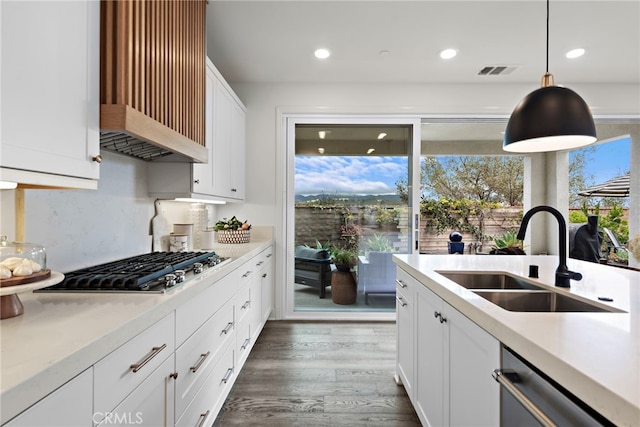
[
  {"x": 223, "y": 176},
  {"x": 50, "y": 93}
]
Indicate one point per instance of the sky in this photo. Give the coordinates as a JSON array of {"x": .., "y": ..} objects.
[{"x": 378, "y": 174}]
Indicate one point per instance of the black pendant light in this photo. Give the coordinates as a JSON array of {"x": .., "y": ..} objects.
[{"x": 551, "y": 118}]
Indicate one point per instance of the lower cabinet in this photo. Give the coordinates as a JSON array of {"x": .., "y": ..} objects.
[
  {"x": 405, "y": 302},
  {"x": 454, "y": 359},
  {"x": 69, "y": 406}
]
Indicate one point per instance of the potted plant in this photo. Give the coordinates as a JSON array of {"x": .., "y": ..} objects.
[
  {"x": 232, "y": 231},
  {"x": 507, "y": 244},
  {"x": 344, "y": 259}
]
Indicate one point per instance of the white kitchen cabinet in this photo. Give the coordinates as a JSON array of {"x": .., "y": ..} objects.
[
  {"x": 451, "y": 356},
  {"x": 267, "y": 285},
  {"x": 68, "y": 406},
  {"x": 50, "y": 93},
  {"x": 223, "y": 176},
  {"x": 406, "y": 331},
  {"x": 151, "y": 404}
]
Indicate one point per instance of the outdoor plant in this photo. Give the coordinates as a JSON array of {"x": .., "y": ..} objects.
[
  {"x": 379, "y": 243},
  {"x": 507, "y": 244},
  {"x": 343, "y": 259}
]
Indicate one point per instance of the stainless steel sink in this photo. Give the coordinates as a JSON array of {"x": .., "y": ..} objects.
[
  {"x": 541, "y": 301},
  {"x": 481, "y": 280}
]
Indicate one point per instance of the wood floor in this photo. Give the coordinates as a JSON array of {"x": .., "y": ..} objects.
[{"x": 320, "y": 374}]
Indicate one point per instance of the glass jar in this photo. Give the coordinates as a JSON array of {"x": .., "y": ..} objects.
[{"x": 21, "y": 258}]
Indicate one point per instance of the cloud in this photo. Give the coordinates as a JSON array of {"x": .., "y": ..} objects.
[{"x": 351, "y": 175}]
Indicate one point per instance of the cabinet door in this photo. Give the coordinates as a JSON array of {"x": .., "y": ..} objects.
[
  {"x": 222, "y": 110},
  {"x": 151, "y": 404},
  {"x": 267, "y": 287},
  {"x": 431, "y": 388},
  {"x": 50, "y": 87},
  {"x": 474, "y": 396},
  {"x": 406, "y": 341},
  {"x": 203, "y": 172},
  {"x": 238, "y": 152},
  {"x": 69, "y": 406}
]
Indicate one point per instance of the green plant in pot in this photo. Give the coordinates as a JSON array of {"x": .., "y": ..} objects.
[
  {"x": 344, "y": 259},
  {"x": 507, "y": 244},
  {"x": 379, "y": 243}
]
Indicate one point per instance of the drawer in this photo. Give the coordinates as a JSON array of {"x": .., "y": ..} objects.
[
  {"x": 243, "y": 341},
  {"x": 205, "y": 406},
  {"x": 191, "y": 315},
  {"x": 198, "y": 355},
  {"x": 119, "y": 373},
  {"x": 262, "y": 258},
  {"x": 149, "y": 405},
  {"x": 243, "y": 303},
  {"x": 405, "y": 286}
]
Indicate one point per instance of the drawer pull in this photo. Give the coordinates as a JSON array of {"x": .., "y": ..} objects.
[
  {"x": 401, "y": 283},
  {"x": 154, "y": 352},
  {"x": 173, "y": 375},
  {"x": 264, "y": 275},
  {"x": 245, "y": 305},
  {"x": 259, "y": 264},
  {"x": 245, "y": 344},
  {"x": 203, "y": 356},
  {"x": 203, "y": 418},
  {"x": 268, "y": 255},
  {"x": 247, "y": 274},
  {"x": 401, "y": 301},
  {"x": 227, "y": 328},
  {"x": 227, "y": 375}
]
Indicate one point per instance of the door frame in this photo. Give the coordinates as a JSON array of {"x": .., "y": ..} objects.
[{"x": 286, "y": 153}]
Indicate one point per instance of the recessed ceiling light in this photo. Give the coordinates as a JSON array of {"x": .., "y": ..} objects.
[
  {"x": 448, "y": 53},
  {"x": 384, "y": 53},
  {"x": 371, "y": 150},
  {"x": 381, "y": 135},
  {"x": 575, "y": 53},
  {"x": 322, "y": 53},
  {"x": 320, "y": 150}
]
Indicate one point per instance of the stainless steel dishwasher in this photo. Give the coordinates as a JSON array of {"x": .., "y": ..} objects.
[{"x": 530, "y": 398}]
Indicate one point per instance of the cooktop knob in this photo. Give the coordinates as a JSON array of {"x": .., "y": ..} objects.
[
  {"x": 198, "y": 268},
  {"x": 179, "y": 275},
  {"x": 169, "y": 280}
]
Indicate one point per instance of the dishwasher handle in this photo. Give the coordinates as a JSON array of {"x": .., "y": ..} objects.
[{"x": 506, "y": 380}]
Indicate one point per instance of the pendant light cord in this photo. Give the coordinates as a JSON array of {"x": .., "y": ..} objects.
[{"x": 547, "y": 37}]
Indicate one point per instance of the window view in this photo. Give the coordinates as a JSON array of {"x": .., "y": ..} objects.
[
  {"x": 471, "y": 204},
  {"x": 599, "y": 179},
  {"x": 350, "y": 217}
]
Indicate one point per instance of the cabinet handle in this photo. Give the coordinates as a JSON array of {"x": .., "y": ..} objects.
[
  {"x": 227, "y": 375},
  {"x": 259, "y": 264},
  {"x": 264, "y": 275},
  {"x": 401, "y": 283},
  {"x": 442, "y": 319},
  {"x": 436, "y": 314},
  {"x": 247, "y": 274},
  {"x": 97, "y": 159},
  {"x": 200, "y": 361},
  {"x": 268, "y": 255},
  {"x": 203, "y": 418},
  {"x": 245, "y": 305},
  {"x": 234, "y": 190},
  {"x": 154, "y": 352},
  {"x": 401, "y": 301},
  {"x": 227, "y": 328},
  {"x": 173, "y": 375},
  {"x": 245, "y": 344},
  {"x": 196, "y": 181},
  {"x": 503, "y": 378}
]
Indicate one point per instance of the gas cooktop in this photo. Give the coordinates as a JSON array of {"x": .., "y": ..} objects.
[{"x": 155, "y": 272}]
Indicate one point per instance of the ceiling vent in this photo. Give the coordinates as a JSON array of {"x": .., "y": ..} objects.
[{"x": 496, "y": 70}]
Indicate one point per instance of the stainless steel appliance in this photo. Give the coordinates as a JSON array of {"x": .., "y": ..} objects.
[
  {"x": 530, "y": 398},
  {"x": 155, "y": 272}
]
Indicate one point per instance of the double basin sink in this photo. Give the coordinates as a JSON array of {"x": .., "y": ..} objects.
[{"x": 514, "y": 293}]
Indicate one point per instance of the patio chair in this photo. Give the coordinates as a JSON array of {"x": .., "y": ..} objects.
[{"x": 313, "y": 268}]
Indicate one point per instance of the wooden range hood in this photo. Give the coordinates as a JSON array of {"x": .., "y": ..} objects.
[{"x": 152, "y": 79}]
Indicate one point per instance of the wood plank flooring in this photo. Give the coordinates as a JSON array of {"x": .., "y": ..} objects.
[{"x": 320, "y": 374}]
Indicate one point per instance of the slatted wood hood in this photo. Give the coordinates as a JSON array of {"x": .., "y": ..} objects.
[{"x": 152, "y": 79}]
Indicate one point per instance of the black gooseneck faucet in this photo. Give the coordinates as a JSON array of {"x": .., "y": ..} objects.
[{"x": 563, "y": 274}]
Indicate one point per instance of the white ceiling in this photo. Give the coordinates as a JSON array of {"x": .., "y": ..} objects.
[{"x": 273, "y": 41}]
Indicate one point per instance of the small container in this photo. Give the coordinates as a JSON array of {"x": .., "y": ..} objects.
[
  {"x": 178, "y": 243},
  {"x": 533, "y": 271},
  {"x": 186, "y": 229}
]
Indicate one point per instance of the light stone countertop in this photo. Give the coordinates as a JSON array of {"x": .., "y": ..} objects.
[
  {"x": 596, "y": 356},
  {"x": 62, "y": 334}
]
